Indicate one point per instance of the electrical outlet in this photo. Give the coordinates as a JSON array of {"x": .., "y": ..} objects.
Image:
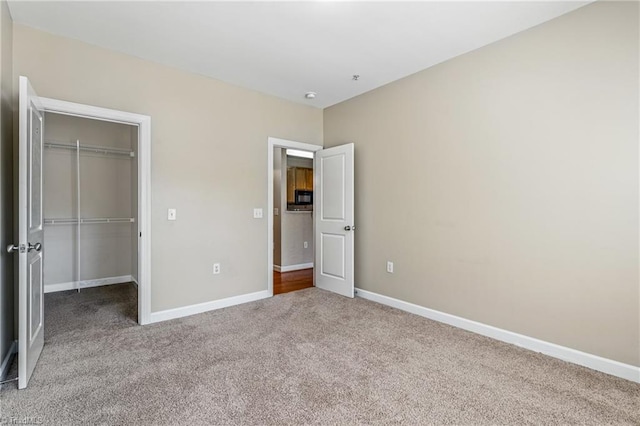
[
  {"x": 306, "y": 244},
  {"x": 257, "y": 213},
  {"x": 171, "y": 214},
  {"x": 216, "y": 268},
  {"x": 390, "y": 267}
]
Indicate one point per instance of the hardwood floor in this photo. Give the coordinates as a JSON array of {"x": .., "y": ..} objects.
[{"x": 292, "y": 281}]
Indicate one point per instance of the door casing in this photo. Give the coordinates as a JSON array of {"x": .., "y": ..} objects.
[{"x": 143, "y": 122}]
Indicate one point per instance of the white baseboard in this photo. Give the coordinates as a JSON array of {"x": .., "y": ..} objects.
[
  {"x": 290, "y": 268},
  {"x": 207, "y": 306},
  {"x": 74, "y": 285},
  {"x": 134, "y": 281},
  {"x": 6, "y": 362},
  {"x": 605, "y": 365}
]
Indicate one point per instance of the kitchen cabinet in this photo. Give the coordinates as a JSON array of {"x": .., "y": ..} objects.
[
  {"x": 309, "y": 179},
  {"x": 301, "y": 178},
  {"x": 298, "y": 178},
  {"x": 304, "y": 178},
  {"x": 291, "y": 185}
]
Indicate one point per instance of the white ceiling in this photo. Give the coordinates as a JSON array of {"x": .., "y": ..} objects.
[{"x": 289, "y": 48}]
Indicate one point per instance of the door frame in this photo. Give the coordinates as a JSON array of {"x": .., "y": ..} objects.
[
  {"x": 280, "y": 143},
  {"x": 143, "y": 122}
]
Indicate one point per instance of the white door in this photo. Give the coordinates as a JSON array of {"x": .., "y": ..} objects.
[
  {"x": 334, "y": 230},
  {"x": 30, "y": 233}
]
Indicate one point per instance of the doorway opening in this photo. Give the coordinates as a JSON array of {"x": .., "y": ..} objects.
[
  {"x": 290, "y": 215},
  {"x": 90, "y": 207},
  {"x": 293, "y": 254}
]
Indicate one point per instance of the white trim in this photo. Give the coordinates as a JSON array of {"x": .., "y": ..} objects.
[
  {"x": 280, "y": 143},
  {"x": 74, "y": 285},
  {"x": 609, "y": 366},
  {"x": 290, "y": 268},
  {"x": 144, "y": 184},
  {"x": 186, "y": 311},
  {"x": 81, "y": 110},
  {"x": 6, "y": 362}
]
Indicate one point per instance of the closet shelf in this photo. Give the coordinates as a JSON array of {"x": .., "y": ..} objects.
[
  {"x": 91, "y": 148},
  {"x": 88, "y": 221}
]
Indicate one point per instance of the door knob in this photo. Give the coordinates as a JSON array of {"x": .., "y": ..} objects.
[
  {"x": 21, "y": 248},
  {"x": 347, "y": 228}
]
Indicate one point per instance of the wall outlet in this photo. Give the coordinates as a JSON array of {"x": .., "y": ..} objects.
[
  {"x": 390, "y": 267},
  {"x": 171, "y": 214},
  {"x": 216, "y": 268},
  {"x": 257, "y": 213},
  {"x": 306, "y": 244}
]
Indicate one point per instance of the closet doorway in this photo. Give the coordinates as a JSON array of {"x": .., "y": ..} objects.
[
  {"x": 90, "y": 205},
  {"x": 96, "y": 201}
]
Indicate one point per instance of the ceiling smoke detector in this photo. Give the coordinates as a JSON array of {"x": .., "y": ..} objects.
[{"x": 310, "y": 95}]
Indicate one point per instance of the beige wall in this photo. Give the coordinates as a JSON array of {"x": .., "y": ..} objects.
[
  {"x": 6, "y": 182},
  {"x": 297, "y": 227},
  {"x": 510, "y": 194},
  {"x": 106, "y": 190},
  {"x": 209, "y": 158},
  {"x": 299, "y": 162}
]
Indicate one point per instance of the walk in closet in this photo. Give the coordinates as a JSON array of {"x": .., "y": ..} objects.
[{"x": 90, "y": 202}]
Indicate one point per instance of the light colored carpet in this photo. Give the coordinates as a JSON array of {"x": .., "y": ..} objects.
[{"x": 304, "y": 357}]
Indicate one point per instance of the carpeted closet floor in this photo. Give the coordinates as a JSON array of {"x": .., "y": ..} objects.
[{"x": 303, "y": 357}]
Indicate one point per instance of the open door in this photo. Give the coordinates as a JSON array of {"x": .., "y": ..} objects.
[
  {"x": 334, "y": 227},
  {"x": 30, "y": 233}
]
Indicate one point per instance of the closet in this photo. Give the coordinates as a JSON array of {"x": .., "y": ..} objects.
[{"x": 90, "y": 202}]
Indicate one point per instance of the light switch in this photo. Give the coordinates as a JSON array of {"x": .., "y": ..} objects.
[
  {"x": 171, "y": 215},
  {"x": 276, "y": 212},
  {"x": 257, "y": 213}
]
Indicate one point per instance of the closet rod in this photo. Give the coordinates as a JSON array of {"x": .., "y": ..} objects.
[
  {"x": 89, "y": 221},
  {"x": 90, "y": 148}
]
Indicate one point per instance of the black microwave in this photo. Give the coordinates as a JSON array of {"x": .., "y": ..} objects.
[{"x": 303, "y": 197}]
